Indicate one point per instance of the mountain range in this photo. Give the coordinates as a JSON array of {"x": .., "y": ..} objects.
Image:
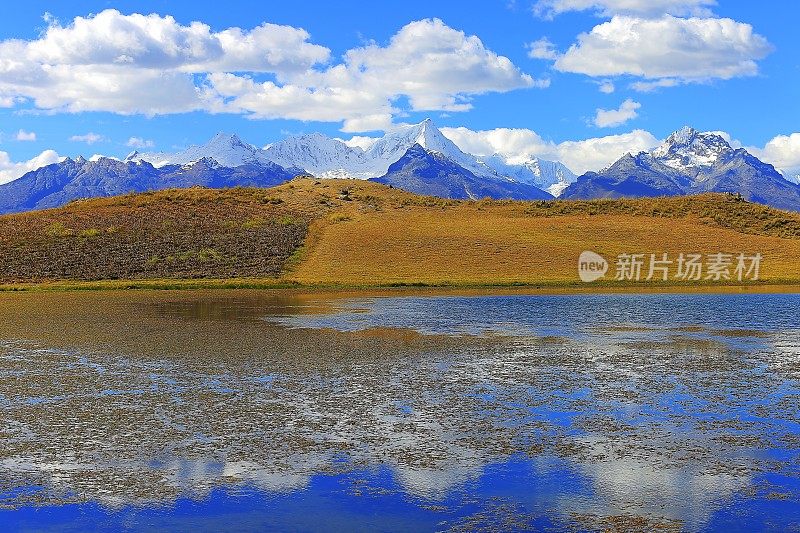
[
  {"x": 417, "y": 158},
  {"x": 432, "y": 173},
  {"x": 689, "y": 162}
]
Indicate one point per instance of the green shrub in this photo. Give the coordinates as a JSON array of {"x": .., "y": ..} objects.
[
  {"x": 89, "y": 233},
  {"x": 57, "y": 229}
]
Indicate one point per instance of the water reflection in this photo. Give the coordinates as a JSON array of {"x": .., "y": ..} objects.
[{"x": 522, "y": 411}]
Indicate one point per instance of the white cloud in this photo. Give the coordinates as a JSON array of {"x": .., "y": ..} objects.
[
  {"x": 650, "y": 86},
  {"x": 606, "y": 87},
  {"x": 435, "y": 66},
  {"x": 551, "y": 8},
  {"x": 149, "y": 64},
  {"x": 331, "y": 104},
  {"x": 144, "y": 64},
  {"x": 509, "y": 142},
  {"x": 735, "y": 143},
  {"x": 600, "y": 152},
  {"x": 358, "y": 141},
  {"x": 23, "y": 135},
  {"x": 89, "y": 138},
  {"x": 542, "y": 49},
  {"x": 783, "y": 152},
  {"x": 156, "y": 42},
  {"x": 692, "y": 49},
  {"x": 607, "y": 118},
  {"x": 10, "y": 170},
  {"x": 579, "y": 156},
  {"x": 138, "y": 142}
]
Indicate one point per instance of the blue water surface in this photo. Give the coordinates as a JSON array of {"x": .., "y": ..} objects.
[{"x": 591, "y": 412}]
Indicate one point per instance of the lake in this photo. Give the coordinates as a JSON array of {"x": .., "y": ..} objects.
[{"x": 248, "y": 410}]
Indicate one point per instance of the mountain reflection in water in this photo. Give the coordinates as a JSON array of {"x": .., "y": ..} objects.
[{"x": 306, "y": 411}]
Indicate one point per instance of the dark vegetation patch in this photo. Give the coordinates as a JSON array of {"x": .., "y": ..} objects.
[{"x": 192, "y": 233}]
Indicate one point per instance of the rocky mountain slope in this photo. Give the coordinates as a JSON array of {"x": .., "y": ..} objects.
[
  {"x": 431, "y": 173},
  {"x": 689, "y": 162},
  {"x": 73, "y": 179},
  {"x": 417, "y": 157}
]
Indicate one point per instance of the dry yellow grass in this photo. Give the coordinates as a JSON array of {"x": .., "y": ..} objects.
[
  {"x": 499, "y": 244},
  {"x": 365, "y": 234}
]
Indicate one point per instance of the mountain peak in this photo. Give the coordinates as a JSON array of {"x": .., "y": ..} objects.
[
  {"x": 227, "y": 149},
  {"x": 689, "y": 150},
  {"x": 427, "y": 135},
  {"x": 685, "y": 135},
  {"x": 230, "y": 139},
  {"x": 425, "y": 171}
]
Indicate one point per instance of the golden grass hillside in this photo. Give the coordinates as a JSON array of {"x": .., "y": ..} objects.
[{"x": 353, "y": 233}]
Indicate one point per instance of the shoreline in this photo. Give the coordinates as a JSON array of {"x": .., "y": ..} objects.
[{"x": 456, "y": 288}]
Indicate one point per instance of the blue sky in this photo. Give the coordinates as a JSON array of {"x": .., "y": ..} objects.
[{"x": 730, "y": 65}]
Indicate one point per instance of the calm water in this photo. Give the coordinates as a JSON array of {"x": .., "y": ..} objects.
[{"x": 247, "y": 411}]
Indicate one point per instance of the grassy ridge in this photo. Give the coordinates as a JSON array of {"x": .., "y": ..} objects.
[
  {"x": 498, "y": 246},
  {"x": 717, "y": 210},
  {"x": 345, "y": 233}
]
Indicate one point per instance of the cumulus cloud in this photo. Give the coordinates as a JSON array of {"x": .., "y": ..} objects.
[
  {"x": 151, "y": 64},
  {"x": 10, "y": 170},
  {"x": 360, "y": 109},
  {"x": 358, "y": 141},
  {"x": 23, "y": 135},
  {"x": 156, "y": 42},
  {"x": 542, "y": 49},
  {"x": 519, "y": 144},
  {"x": 436, "y": 67},
  {"x": 509, "y": 142},
  {"x": 606, "y": 87},
  {"x": 551, "y": 8},
  {"x": 783, "y": 152},
  {"x": 600, "y": 152},
  {"x": 650, "y": 86},
  {"x": 138, "y": 142},
  {"x": 690, "y": 49},
  {"x": 607, "y": 118},
  {"x": 142, "y": 63},
  {"x": 89, "y": 138}
]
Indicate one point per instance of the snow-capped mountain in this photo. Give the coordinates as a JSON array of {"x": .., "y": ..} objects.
[
  {"x": 792, "y": 174},
  {"x": 549, "y": 176},
  {"x": 690, "y": 151},
  {"x": 417, "y": 157},
  {"x": 226, "y": 149},
  {"x": 227, "y": 161},
  {"x": 630, "y": 176},
  {"x": 423, "y": 171},
  {"x": 326, "y": 157},
  {"x": 392, "y": 146},
  {"x": 320, "y": 155},
  {"x": 71, "y": 179},
  {"x": 690, "y": 162}
]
